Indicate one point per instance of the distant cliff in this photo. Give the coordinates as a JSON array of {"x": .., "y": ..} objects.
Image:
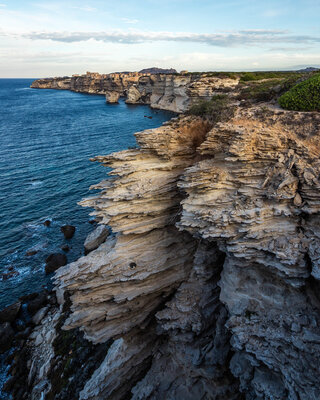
[
  {"x": 155, "y": 70},
  {"x": 173, "y": 92}
]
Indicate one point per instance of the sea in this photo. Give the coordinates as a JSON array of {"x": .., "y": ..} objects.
[{"x": 46, "y": 140}]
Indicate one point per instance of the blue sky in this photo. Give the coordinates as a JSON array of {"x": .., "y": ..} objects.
[{"x": 54, "y": 38}]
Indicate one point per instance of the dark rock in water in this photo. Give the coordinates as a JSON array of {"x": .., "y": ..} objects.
[
  {"x": 65, "y": 248},
  {"x": 8, "y": 275},
  {"x": 47, "y": 222},
  {"x": 10, "y": 313},
  {"x": 9, "y": 384},
  {"x": 6, "y": 336},
  {"x": 31, "y": 252},
  {"x": 37, "y": 303},
  {"x": 19, "y": 325},
  {"x": 28, "y": 297},
  {"x": 55, "y": 261},
  {"x": 68, "y": 231}
]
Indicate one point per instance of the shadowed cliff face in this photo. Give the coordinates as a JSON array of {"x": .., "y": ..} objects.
[
  {"x": 173, "y": 92},
  {"x": 210, "y": 285}
]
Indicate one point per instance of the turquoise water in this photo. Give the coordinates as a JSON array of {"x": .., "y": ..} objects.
[{"x": 46, "y": 140}]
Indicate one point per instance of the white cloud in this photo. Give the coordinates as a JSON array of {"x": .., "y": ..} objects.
[
  {"x": 129, "y": 21},
  {"x": 235, "y": 39},
  {"x": 84, "y": 8}
]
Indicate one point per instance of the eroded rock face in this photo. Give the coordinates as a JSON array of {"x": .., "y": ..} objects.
[
  {"x": 256, "y": 193},
  {"x": 173, "y": 92},
  {"x": 209, "y": 286},
  {"x": 112, "y": 96}
]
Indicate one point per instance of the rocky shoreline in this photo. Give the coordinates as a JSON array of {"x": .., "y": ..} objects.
[
  {"x": 208, "y": 287},
  {"x": 172, "y": 92}
]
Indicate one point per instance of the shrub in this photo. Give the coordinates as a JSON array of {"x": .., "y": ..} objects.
[
  {"x": 216, "y": 109},
  {"x": 305, "y": 96}
]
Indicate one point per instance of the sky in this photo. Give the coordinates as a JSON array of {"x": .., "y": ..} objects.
[{"x": 58, "y": 38}]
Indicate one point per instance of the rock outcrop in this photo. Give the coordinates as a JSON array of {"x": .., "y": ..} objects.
[
  {"x": 95, "y": 238},
  {"x": 208, "y": 287},
  {"x": 112, "y": 96},
  {"x": 166, "y": 91}
]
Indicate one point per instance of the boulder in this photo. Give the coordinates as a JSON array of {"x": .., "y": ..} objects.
[
  {"x": 37, "y": 318},
  {"x": 36, "y": 303},
  {"x": 6, "y": 336},
  {"x": 55, "y": 261},
  {"x": 10, "y": 313},
  {"x": 31, "y": 252},
  {"x": 68, "y": 231},
  {"x": 47, "y": 222},
  {"x": 65, "y": 248},
  {"x": 8, "y": 275},
  {"x": 95, "y": 238}
]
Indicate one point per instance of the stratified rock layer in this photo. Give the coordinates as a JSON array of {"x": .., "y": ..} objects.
[
  {"x": 209, "y": 286},
  {"x": 174, "y": 92}
]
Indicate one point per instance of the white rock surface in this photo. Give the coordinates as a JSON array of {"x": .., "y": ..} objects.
[{"x": 96, "y": 237}]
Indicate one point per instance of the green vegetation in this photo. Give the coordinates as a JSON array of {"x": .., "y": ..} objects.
[
  {"x": 268, "y": 89},
  {"x": 304, "y": 96},
  {"x": 258, "y": 76},
  {"x": 216, "y": 109}
]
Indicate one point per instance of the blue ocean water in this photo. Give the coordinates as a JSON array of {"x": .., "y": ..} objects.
[{"x": 46, "y": 140}]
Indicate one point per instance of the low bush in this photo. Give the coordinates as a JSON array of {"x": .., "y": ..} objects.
[
  {"x": 217, "y": 109},
  {"x": 258, "y": 76},
  {"x": 304, "y": 96}
]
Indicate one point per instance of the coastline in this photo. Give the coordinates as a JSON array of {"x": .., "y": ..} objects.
[{"x": 212, "y": 264}]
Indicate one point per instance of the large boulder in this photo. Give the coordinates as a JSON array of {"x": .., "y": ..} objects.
[
  {"x": 36, "y": 302},
  {"x": 55, "y": 261},
  {"x": 68, "y": 231},
  {"x": 95, "y": 238},
  {"x": 10, "y": 313},
  {"x": 6, "y": 336}
]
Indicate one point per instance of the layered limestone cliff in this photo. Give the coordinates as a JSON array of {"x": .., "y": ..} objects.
[
  {"x": 173, "y": 92},
  {"x": 209, "y": 287}
]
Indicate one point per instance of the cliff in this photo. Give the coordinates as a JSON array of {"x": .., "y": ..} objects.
[
  {"x": 167, "y": 91},
  {"x": 208, "y": 287}
]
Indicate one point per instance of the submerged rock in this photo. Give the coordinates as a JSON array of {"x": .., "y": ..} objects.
[
  {"x": 65, "y": 248},
  {"x": 68, "y": 231},
  {"x": 55, "y": 261},
  {"x": 6, "y": 336},
  {"x": 36, "y": 301},
  {"x": 10, "y": 313}
]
